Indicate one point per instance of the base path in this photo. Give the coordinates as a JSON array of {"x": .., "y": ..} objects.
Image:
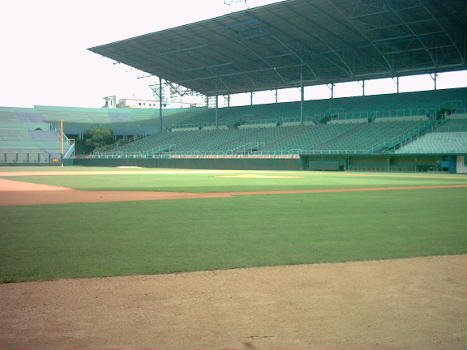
[
  {"x": 417, "y": 303},
  {"x": 25, "y": 193}
]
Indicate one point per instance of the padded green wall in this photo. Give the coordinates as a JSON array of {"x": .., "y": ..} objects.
[
  {"x": 240, "y": 164},
  {"x": 394, "y": 163}
]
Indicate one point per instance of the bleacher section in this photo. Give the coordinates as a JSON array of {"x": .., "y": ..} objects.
[
  {"x": 374, "y": 137},
  {"x": 123, "y": 121},
  {"x": 437, "y": 143},
  {"x": 353, "y": 125},
  {"x": 321, "y": 138},
  {"x": 453, "y": 125},
  {"x": 447, "y": 138},
  {"x": 411, "y": 106},
  {"x": 26, "y": 138},
  {"x": 424, "y": 122}
]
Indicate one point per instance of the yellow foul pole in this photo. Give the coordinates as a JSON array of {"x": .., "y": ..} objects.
[
  {"x": 61, "y": 134},
  {"x": 61, "y": 139}
]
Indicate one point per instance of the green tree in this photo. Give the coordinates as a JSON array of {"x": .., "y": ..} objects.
[{"x": 97, "y": 138}]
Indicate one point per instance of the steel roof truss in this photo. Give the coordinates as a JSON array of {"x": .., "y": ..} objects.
[
  {"x": 347, "y": 68},
  {"x": 363, "y": 35},
  {"x": 448, "y": 35},
  {"x": 274, "y": 29},
  {"x": 394, "y": 12},
  {"x": 242, "y": 41}
]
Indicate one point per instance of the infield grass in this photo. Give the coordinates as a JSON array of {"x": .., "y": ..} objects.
[
  {"x": 221, "y": 181},
  {"x": 148, "y": 237}
]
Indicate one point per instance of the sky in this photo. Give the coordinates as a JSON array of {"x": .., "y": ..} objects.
[{"x": 44, "y": 58}]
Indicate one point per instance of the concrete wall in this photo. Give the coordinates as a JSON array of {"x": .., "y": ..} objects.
[
  {"x": 391, "y": 163},
  {"x": 240, "y": 164},
  {"x": 461, "y": 168}
]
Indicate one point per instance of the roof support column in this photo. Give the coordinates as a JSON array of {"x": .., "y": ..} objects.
[
  {"x": 276, "y": 95},
  {"x": 160, "y": 104},
  {"x": 251, "y": 98},
  {"x": 331, "y": 87},
  {"x": 434, "y": 76},
  {"x": 217, "y": 110},
  {"x": 397, "y": 84},
  {"x": 363, "y": 87},
  {"x": 302, "y": 94}
]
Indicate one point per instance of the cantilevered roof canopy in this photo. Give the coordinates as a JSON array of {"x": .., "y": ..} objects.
[{"x": 327, "y": 40}]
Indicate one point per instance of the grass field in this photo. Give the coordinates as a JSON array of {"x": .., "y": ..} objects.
[
  {"x": 235, "y": 180},
  {"x": 147, "y": 237}
]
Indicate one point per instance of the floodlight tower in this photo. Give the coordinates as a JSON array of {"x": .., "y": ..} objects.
[{"x": 158, "y": 91}]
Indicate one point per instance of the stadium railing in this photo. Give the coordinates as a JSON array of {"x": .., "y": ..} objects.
[
  {"x": 29, "y": 157},
  {"x": 397, "y": 142}
]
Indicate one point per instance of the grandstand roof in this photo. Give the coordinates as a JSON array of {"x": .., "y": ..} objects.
[{"x": 328, "y": 40}]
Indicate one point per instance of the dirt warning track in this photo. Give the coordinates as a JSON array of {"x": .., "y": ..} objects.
[{"x": 25, "y": 193}]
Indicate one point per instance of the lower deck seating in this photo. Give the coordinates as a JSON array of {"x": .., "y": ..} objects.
[
  {"x": 453, "y": 125},
  {"x": 437, "y": 142},
  {"x": 360, "y": 137},
  {"x": 26, "y": 138},
  {"x": 367, "y": 136}
]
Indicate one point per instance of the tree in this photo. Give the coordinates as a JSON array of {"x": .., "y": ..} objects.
[{"x": 97, "y": 138}]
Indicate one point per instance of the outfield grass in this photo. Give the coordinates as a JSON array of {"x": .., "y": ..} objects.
[
  {"x": 147, "y": 237},
  {"x": 54, "y": 168},
  {"x": 221, "y": 181}
]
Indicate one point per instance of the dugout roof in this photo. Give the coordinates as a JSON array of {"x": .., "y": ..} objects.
[{"x": 327, "y": 40}]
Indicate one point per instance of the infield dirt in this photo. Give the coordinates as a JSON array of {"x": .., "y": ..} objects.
[
  {"x": 25, "y": 193},
  {"x": 417, "y": 303}
]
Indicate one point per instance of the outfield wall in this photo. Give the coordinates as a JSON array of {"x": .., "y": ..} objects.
[
  {"x": 202, "y": 163},
  {"x": 390, "y": 163}
]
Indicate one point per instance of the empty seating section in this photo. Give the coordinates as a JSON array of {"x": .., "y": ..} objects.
[
  {"x": 291, "y": 139},
  {"x": 123, "y": 121},
  {"x": 365, "y": 137},
  {"x": 453, "y": 125},
  {"x": 411, "y": 105},
  {"x": 365, "y": 124},
  {"x": 26, "y": 138},
  {"x": 437, "y": 142},
  {"x": 12, "y": 135},
  {"x": 9, "y": 138},
  {"x": 216, "y": 141},
  {"x": 129, "y": 121},
  {"x": 8, "y": 115},
  {"x": 307, "y": 138}
]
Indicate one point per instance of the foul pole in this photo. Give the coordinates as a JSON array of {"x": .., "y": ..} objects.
[
  {"x": 61, "y": 140},
  {"x": 160, "y": 104}
]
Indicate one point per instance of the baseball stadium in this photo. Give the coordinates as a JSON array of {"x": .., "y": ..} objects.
[{"x": 327, "y": 223}]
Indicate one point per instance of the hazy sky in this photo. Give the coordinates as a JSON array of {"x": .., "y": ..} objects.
[
  {"x": 43, "y": 47},
  {"x": 43, "y": 44}
]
